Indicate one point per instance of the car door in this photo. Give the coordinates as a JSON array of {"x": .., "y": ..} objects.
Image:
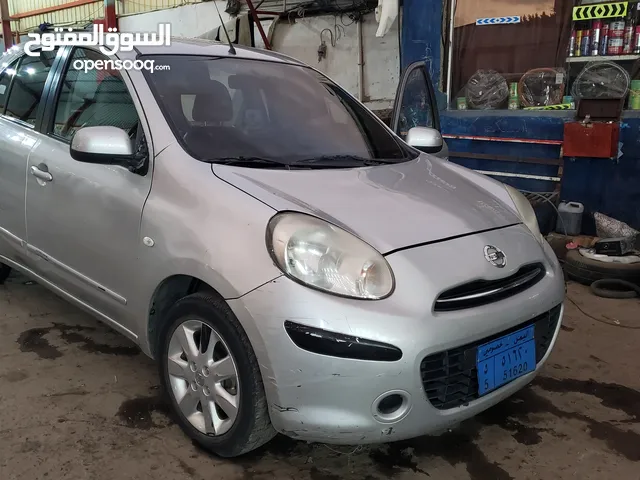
[
  {"x": 415, "y": 104},
  {"x": 83, "y": 219},
  {"x": 22, "y": 83}
]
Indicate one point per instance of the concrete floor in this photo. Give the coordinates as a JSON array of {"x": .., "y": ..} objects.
[{"x": 79, "y": 401}]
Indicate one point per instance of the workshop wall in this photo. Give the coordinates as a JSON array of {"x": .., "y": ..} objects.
[
  {"x": 608, "y": 186},
  {"x": 300, "y": 38},
  {"x": 381, "y": 60}
]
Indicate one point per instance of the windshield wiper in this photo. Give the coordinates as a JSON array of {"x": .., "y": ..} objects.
[
  {"x": 250, "y": 162},
  {"x": 340, "y": 161}
]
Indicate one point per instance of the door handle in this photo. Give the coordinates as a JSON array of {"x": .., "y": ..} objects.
[{"x": 41, "y": 174}]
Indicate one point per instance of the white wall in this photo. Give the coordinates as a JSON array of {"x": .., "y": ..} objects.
[
  {"x": 300, "y": 39},
  {"x": 187, "y": 21},
  {"x": 381, "y": 55}
]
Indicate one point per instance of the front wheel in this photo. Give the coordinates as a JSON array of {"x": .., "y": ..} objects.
[
  {"x": 212, "y": 378},
  {"x": 5, "y": 270}
]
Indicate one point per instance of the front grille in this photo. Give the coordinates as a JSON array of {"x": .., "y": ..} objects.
[
  {"x": 482, "y": 292},
  {"x": 450, "y": 378}
]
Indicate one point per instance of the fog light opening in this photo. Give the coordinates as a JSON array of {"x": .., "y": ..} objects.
[{"x": 390, "y": 404}]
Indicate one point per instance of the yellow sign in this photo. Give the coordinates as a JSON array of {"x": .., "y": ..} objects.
[
  {"x": 563, "y": 106},
  {"x": 601, "y": 10}
]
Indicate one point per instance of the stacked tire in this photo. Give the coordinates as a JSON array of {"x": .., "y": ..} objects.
[{"x": 586, "y": 270}]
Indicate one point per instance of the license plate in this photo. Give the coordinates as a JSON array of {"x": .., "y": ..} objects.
[{"x": 505, "y": 359}]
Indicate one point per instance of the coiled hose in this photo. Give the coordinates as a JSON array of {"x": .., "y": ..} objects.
[{"x": 613, "y": 288}]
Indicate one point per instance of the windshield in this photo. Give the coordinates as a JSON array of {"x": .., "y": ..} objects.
[{"x": 225, "y": 108}]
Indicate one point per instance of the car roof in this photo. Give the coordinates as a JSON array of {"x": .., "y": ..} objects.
[{"x": 201, "y": 46}]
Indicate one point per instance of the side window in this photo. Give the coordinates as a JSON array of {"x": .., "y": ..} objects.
[
  {"x": 28, "y": 85},
  {"x": 416, "y": 109},
  {"x": 5, "y": 83},
  {"x": 338, "y": 113},
  {"x": 187, "y": 102},
  {"x": 93, "y": 98}
]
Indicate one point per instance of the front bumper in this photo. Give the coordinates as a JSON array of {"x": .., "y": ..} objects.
[{"x": 331, "y": 399}]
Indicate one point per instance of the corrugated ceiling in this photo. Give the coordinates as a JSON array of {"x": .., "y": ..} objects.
[{"x": 68, "y": 16}]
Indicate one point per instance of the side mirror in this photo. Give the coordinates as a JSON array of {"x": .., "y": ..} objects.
[
  {"x": 426, "y": 139},
  {"x": 102, "y": 145}
]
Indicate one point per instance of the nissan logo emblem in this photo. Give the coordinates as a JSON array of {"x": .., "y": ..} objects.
[{"x": 495, "y": 256}]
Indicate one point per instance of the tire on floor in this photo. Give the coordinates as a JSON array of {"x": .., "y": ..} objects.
[{"x": 586, "y": 270}]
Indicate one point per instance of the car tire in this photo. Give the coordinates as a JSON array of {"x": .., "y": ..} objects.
[
  {"x": 5, "y": 271},
  {"x": 586, "y": 270},
  {"x": 251, "y": 427}
]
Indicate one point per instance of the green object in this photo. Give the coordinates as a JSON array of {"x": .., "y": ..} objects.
[
  {"x": 514, "y": 103},
  {"x": 606, "y": 10},
  {"x": 513, "y": 89},
  {"x": 462, "y": 103},
  {"x": 563, "y": 106},
  {"x": 634, "y": 95},
  {"x": 568, "y": 100}
]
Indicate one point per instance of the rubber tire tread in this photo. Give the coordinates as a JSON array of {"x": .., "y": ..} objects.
[
  {"x": 253, "y": 426},
  {"x": 5, "y": 271},
  {"x": 601, "y": 288},
  {"x": 586, "y": 270}
]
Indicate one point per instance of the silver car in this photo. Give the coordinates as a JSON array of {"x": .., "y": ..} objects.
[{"x": 292, "y": 263}]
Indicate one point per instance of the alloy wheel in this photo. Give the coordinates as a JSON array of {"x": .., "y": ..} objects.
[{"x": 203, "y": 377}]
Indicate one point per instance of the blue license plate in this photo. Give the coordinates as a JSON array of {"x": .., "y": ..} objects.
[{"x": 505, "y": 359}]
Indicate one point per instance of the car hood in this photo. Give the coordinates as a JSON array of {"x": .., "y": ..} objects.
[{"x": 388, "y": 206}]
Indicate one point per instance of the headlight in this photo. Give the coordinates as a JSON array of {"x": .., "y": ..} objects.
[
  {"x": 526, "y": 212},
  {"x": 323, "y": 256}
]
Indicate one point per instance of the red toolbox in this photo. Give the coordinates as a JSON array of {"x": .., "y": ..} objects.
[{"x": 596, "y": 130}]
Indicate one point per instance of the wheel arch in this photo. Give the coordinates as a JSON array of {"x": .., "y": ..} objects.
[{"x": 168, "y": 292}]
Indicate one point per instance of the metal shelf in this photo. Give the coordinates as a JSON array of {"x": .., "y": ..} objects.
[{"x": 603, "y": 58}]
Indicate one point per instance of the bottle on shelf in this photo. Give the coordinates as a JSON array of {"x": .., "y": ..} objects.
[
  {"x": 629, "y": 30},
  {"x": 604, "y": 39},
  {"x": 635, "y": 44},
  {"x": 578, "y": 46},
  {"x": 616, "y": 36},
  {"x": 586, "y": 43},
  {"x": 572, "y": 42},
  {"x": 596, "y": 29}
]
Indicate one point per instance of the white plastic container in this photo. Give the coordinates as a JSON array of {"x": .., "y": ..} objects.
[{"x": 569, "y": 218}]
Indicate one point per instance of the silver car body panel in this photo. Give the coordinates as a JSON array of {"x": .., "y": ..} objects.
[
  {"x": 362, "y": 199},
  {"x": 16, "y": 142},
  {"x": 303, "y": 387},
  {"x": 107, "y": 240}
]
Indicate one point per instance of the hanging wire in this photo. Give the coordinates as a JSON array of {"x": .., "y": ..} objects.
[
  {"x": 333, "y": 40},
  {"x": 338, "y": 29}
]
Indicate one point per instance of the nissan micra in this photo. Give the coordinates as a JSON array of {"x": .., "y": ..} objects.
[{"x": 292, "y": 263}]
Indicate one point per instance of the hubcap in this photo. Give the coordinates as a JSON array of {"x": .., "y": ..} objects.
[{"x": 203, "y": 377}]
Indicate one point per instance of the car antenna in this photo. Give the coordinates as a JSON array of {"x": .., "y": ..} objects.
[{"x": 232, "y": 50}]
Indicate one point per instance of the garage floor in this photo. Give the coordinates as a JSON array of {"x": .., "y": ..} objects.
[{"x": 79, "y": 401}]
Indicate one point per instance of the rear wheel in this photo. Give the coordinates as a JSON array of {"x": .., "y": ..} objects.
[
  {"x": 5, "y": 270},
  {"x": 212, "y": 378}
]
